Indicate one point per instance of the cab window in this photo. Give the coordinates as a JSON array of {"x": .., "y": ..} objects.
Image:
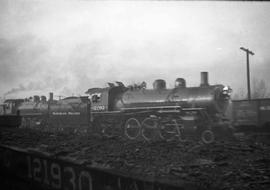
[{"x": 96, "y": 97}]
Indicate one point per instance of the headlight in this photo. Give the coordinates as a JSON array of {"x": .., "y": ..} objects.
[{"x": 226, "y": 91}]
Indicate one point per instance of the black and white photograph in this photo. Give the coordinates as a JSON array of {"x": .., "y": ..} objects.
[{"x": 134, "y": 95}]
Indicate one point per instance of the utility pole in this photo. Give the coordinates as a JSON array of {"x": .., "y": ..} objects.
[{"x": 248, "y": 77}]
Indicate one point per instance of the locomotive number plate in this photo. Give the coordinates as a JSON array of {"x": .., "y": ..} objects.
[{"x": 99, "y": 108}]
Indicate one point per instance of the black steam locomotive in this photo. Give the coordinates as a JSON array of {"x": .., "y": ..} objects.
[
  {"x": 160, "y": 112},
  {"x": 135, "y": 111}
]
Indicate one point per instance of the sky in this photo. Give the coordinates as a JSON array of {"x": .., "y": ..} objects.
[{"x": 67, "y": 47}]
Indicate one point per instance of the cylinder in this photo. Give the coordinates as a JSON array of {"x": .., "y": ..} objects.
[{"x": 204, "y": 79}]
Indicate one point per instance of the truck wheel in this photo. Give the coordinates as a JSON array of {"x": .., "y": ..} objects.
[{"x": 207, "y": 137}]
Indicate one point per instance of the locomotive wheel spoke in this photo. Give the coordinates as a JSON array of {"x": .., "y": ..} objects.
[
  {"x": 149, "y": 128},
  {"x": 168, "y": 129},
  {"x": 96, "y": 127},
  {"x": 181, "y": 136},
  {"x": 24, "y": 123},
  {"x": 207, "y": 137},
  {"x": 132, "y": 128},
  {"x": 107, "y": 130}
]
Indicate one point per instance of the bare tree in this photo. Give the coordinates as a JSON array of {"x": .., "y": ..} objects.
[
  {"x": 239, "y": 94},
  {"x": 259, "y": 89}
]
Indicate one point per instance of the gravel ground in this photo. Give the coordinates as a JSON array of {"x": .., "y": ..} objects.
[{"x": 230, "y": 165}]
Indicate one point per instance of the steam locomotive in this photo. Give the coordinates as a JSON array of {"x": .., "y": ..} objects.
[
  {"x": 135, "y": 111},
  {"x": 9, "y": 114}
]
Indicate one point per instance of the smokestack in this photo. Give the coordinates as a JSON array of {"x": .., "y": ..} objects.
[
  {"x": 204, "y": 79},
  {"x": 51, "y": 97}
]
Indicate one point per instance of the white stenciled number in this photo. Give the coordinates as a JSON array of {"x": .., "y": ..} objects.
[
  {"x": 37, "y": 170},
  {"x": 134, "y": 186},
  {"x": 71, "y": 179},
  {"x": 86, "y": 176},
  {"x": 56, "y": 175},
  {"x": 46, "y": 179},
  {"x": 29, "y": 167},
  {"x": 119, "y": 183}
]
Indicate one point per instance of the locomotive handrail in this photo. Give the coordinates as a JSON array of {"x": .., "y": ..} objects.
[
  {"x": 193, "y": 109},
  {"x": 150, "y": 108},
  {"x": 105, "y": 112},
  {"x": 22, "y": 114},
  {"x": 169, "y": 111}
]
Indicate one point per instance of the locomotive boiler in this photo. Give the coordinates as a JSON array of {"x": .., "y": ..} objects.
[{"x": 213, "y": 98}]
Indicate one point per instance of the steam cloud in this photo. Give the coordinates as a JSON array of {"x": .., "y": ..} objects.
[{"x": 68, "y": 47}]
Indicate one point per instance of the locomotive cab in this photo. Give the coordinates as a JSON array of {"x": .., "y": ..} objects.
[
  {"x": 99, "y": 99},
  {"x": 103, "y": 99},
  {"x": 103, "y": 110}
]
